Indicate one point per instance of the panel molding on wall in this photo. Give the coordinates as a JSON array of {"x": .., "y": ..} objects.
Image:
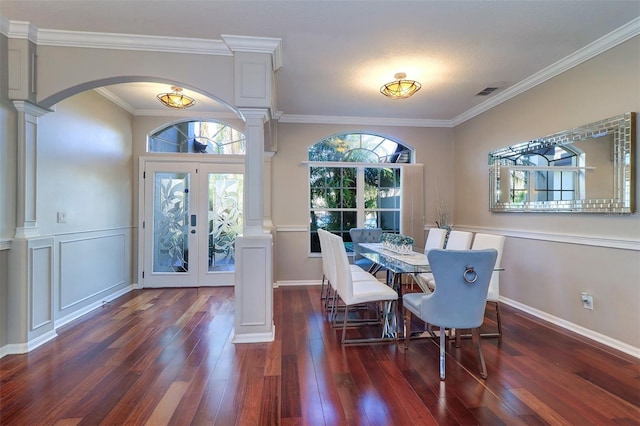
[
  {"x": 91, "y": 265},
  {"x": 41, "y": 275}
]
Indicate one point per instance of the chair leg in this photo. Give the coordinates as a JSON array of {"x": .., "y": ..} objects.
[
  {"x": 498, "y": 319},
  {"x": 322, "y": 289},
  {"x": 344, "y": 323},
  {"x": 442, "y": 343},
  {"x": 475, "y": 336},
  {"x": 407, "y": 328}
]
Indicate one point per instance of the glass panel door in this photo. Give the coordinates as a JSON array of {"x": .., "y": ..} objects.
[
  {"x": 170, "y": 225},
  {"x": 224, "y": 201},
  {"x": 170, "y": 222},
  {"x": 192, "y": 215}
]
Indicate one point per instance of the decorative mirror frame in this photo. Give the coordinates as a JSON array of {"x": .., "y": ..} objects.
[{"x": 622, "y": 131}]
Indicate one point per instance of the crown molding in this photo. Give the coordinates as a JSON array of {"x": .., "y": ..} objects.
[
  {"x": 609, "y": 41},
  {"x": 4, "y": 26},
  {"x": 369, "y": 121},
  {"x": 183, "y": 113},
  {"x": 162, "y": 113},
  {"x": 116, "y": 100},
  {"x": 147, "y": 43},
  {"x": 272, "y": 46},
  {"x": 22, "y": 30}
]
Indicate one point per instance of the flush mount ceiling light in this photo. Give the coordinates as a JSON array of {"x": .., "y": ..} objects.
[
  {"x": 176, "y": 99},
  {"x": 400, "y": 88}
]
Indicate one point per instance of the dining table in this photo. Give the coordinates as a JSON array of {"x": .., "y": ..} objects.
[{"x": 396, "y": 266}]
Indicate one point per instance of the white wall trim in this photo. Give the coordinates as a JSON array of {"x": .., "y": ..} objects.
[
  {"x": 585, "y": 240},
  {"x": 95, "y": 40},
  {"x": 80, "y": 312},
  {"x": 601, "y": 338},
  {"x": 23, "y": 348},
  {"x": 292, "y": 283},
  {"x": 5, "y": 244},
  {"x": 364, "y": 121},
  {"x": 609, "y": 41},
  {"x": 255, "y": 337},
  {"x": 292, "y": 228}
]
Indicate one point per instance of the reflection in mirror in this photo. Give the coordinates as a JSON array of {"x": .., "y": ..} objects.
[{"x": 589, "y": 170}]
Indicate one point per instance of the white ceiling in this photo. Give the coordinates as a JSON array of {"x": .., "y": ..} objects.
[{"x": 337, "y": 54}]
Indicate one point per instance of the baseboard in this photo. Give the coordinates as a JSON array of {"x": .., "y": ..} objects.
[
  {"x": 23, "y": 348},
  {"x": 600, "y": 338},
  {"x": 291, "y": 283},
  {"x": 77, "y": 314},
  {"x": 255, "y": 337}
]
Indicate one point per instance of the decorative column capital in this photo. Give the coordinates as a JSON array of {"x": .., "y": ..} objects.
[
  {"x": 30, "y": 108},
  {"x": 255, "y": 114}
]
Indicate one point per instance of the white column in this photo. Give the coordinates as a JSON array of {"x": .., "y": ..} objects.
[
  {"x": 27, "y": 185},
  {"x": 30, "y": 290},
  {"x": 254, "y": 249},
  {"x": 254, "y": 170}
]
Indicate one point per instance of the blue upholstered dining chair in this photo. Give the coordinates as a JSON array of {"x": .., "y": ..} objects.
[
  {"x": 459, "y": 299},
  {"x": 364, "y": 235}
]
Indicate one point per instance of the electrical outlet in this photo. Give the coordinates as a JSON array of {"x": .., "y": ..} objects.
[{"x": 587, "y": 301}]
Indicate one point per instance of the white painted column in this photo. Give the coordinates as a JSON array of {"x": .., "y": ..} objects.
[
  {"x": 30, "y": 291},
  {"x": 254, "y": 170},
  {"x": 27, "y": 185},
  {"x": 254, "y": 249}
]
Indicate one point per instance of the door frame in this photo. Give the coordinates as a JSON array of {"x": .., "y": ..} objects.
[{"x": 209, "y": 160}]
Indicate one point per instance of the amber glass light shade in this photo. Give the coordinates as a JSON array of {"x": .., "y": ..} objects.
[
  {"x": 176, "y": 99},
  {"x": 400, "y": 88}
]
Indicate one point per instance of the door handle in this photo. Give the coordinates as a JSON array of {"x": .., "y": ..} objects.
[{"x": 193, "y": 220}]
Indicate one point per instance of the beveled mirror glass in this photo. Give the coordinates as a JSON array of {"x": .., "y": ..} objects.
[{"x": 589, "y": 169}]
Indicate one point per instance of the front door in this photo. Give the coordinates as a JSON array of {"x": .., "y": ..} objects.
[{"x": 192, "y": 214}]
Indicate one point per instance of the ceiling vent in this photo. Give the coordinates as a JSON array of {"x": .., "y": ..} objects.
[{"x": 486, "y": 91}]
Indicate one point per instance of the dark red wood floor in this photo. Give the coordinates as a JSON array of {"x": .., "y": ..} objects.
[{"x": 164, "y": 357}]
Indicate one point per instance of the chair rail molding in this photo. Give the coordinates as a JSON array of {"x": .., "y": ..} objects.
[{"x": 585, "y": 240}]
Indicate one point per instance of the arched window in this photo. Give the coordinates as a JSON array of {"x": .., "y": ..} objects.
[
  {"x": 197, "y": 137},
  {"x": 547, "y": 184},
  {"x": 355, "y": 181}
]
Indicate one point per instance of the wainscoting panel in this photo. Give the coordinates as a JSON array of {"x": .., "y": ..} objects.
[
  {"x": 91, "y": 266},
  {"x": 41, "y": 285}
]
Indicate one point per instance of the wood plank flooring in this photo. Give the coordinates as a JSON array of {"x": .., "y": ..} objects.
[{"x": 156, "y": 357}]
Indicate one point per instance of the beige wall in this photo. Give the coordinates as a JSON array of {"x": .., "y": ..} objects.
[
  {"x": 571, "y": 253},
  {"x": 290, "y": 207},
  {"x": 84, "y": 166},
  {"x": 72, "y": 67}
]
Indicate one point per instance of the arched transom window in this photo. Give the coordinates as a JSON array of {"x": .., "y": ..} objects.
[
  {"x": 198, "y": 137},
  {"x": 355, "y": 181}
]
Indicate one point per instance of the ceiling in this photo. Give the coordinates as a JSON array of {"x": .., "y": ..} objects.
[{"x": 337, "y": 54}]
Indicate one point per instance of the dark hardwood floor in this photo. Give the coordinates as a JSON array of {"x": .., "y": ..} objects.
[{"x": 164, "y": 357}]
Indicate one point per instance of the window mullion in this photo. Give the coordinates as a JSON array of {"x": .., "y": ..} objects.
[{"x": 360, "y": 197}]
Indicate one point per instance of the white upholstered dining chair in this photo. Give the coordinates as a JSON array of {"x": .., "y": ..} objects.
[
  {"x": 490, "y": 241},
  {"x": 458, "y": 240},
  {"x": 363, "y": 290},
  {"x": 328, "y": 271}
]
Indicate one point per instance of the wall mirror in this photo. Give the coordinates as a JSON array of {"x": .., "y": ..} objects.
[{"x": 589, "y": 169}]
